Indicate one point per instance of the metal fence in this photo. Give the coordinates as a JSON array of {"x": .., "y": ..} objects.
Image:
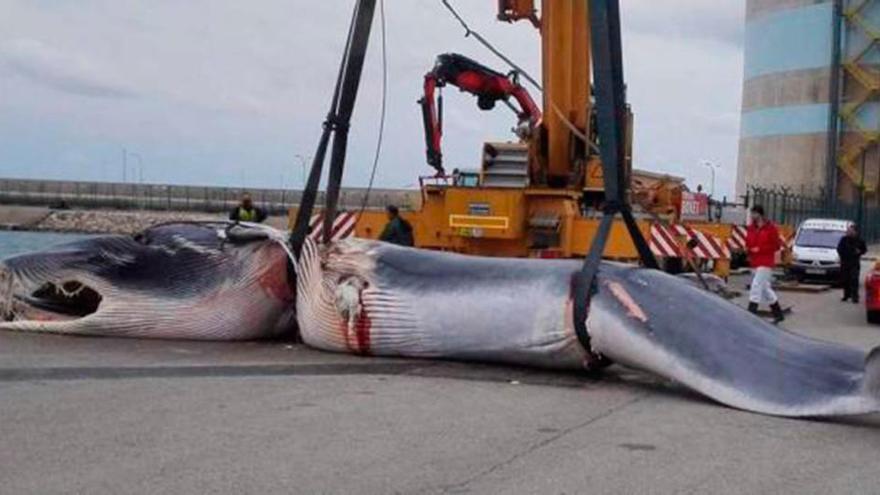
[
  {"x": 130, "y": 196},
  {"x": 782, "y": 206}
]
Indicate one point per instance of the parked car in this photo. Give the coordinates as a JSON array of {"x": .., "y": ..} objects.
[
  {"x": 872, "y": 294},
  {"x": 814, "y": 254}
]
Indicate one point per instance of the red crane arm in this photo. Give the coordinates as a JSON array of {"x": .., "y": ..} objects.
[{"x": 472, "y": 77}]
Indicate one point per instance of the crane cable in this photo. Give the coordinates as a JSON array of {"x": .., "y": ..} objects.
[
  {"x": 486, "y": 44},
  {"x": 470, "y": 32},
  {"x": 383, "y": 106}
]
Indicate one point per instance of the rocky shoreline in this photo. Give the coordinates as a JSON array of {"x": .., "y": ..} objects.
[{"x": 123, "y": 222}]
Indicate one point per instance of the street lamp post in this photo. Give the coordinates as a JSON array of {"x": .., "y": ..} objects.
[
  {"x": 712, "y": 168},
  {"x": 140, "y": 168},
  {"x": 140, "y": 176},
  {"x": 283, "y": 192},
  {"x": 860, "y": 216}
]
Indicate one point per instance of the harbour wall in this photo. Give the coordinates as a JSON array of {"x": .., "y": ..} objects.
[{"x": 181, "y": 198}]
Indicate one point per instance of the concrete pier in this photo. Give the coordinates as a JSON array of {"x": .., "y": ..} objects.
[{"x": 91, "y": 415}]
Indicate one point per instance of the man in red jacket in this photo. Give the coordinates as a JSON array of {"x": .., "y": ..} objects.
[{"x": 762, "y": 242}]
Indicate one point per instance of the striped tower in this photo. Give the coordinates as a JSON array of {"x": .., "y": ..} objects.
[{"x": 810, "y": 115}]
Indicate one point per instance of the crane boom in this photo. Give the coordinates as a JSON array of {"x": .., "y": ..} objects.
[
  {"x": 565, "y": 47},
  {"x": 486, "y": 84}
]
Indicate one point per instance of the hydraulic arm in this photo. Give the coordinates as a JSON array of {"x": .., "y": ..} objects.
[{"x": 486, "y": 84}]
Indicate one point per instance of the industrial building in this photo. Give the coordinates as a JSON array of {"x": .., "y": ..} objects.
[{"x": 810, "y": 113}]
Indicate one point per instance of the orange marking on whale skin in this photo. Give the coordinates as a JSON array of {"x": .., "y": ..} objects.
[{"x": 623, "y": 297}]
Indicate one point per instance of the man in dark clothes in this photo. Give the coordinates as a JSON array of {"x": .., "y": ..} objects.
[
  {"x": 851, "y": 248},
  {"x": 246, "y": 211},
  {"x": 397, "y": 231}
]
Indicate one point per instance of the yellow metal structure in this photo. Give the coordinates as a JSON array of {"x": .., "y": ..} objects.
[
  {"x": 863, "y": 87},
  {"x": 431, "y": 233},
  {"x": 536, "y": 210},
  {"x": 566, "y": 79},
  {"x": 542, "y": 197},
  {"x": 528, "y": 202}
]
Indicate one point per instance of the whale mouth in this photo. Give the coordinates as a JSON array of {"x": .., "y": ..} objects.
[{"x": 69, "y": 300}]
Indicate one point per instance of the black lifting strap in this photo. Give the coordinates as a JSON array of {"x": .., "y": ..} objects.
[
  {"x": 337, "y": 124},
  {"x": 611, "y": 115}
]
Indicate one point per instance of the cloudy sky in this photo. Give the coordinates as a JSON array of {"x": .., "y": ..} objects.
[{"x": 225, "y": 92}]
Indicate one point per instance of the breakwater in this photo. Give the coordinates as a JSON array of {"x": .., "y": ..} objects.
[
  {"x": 43, "y": 219},
  {"x": 178, "y": 198}
]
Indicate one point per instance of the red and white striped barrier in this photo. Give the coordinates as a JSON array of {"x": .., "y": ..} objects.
[
  {"x": 665, "y": 242},
  {"x": 737, "y": 240},
  {"x": 708, "y": 246},
  {"x": 343, "y": 226}
]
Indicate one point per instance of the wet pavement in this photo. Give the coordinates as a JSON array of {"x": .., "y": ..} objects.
[{"x": 98, "y": 415}]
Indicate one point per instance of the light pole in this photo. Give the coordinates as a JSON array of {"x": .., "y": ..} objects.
[
  {"x": 140, "y": 176},
  {"x": 712, "y": 167},
  {"x": 860, "y": 218},
  {"x": 140, "y": 166}
]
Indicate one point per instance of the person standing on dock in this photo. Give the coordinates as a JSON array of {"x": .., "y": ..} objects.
[
  {"x": 246, "y": 211},
  {"x": 851, "y": 248},
  {"x": 762, "y": 243}
]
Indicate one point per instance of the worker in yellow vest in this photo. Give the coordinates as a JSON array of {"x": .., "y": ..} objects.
[{"x": 246, "y": 211}]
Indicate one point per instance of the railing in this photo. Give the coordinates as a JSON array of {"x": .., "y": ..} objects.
[
  {"x": 129, "y": 196},
  {"x": 783, "y": 206}
]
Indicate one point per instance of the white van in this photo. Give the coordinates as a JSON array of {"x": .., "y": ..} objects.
[{"x": 815, "y": 248}]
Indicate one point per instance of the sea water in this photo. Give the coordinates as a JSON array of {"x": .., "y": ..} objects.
[{"x": 17, "y": 242}]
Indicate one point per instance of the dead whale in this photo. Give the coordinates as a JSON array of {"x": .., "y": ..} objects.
[
  {"x": 372, "y": 298},
  {"x": 176, "y": 281}
]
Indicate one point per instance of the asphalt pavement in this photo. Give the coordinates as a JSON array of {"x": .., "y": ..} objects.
[{"x": 116, "y": 416}]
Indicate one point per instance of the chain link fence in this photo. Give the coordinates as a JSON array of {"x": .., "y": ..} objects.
[
  {"x": 783, "y": 206},
  {"x": 129, "y": 196}
]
